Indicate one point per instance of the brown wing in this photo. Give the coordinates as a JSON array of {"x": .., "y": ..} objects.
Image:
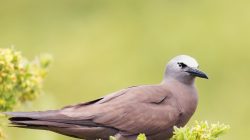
[{"x": 143, "y": 109}]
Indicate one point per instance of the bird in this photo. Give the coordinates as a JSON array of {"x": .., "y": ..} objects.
[{"x": 150, "y": 109}]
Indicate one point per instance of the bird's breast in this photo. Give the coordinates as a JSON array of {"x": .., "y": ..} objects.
[{"x": 186, "y": 98}]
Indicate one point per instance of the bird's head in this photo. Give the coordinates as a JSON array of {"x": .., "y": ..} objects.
[{"x": 184, "y": 69}]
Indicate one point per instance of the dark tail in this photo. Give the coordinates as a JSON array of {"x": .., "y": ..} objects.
[
  {"x": 59, "y": 123},
  {"x": 36, "y": 120}
]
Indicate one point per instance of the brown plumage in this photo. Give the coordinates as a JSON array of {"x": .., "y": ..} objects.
[{"x": 149, "y": 109}]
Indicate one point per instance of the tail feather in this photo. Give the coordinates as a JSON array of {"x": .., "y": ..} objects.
[
  {"x": 37, "y": 123},
  {"x": 59, "y": 123},
  {"x": 51, "y": 114},
  {"x": 36, "y": 120}
]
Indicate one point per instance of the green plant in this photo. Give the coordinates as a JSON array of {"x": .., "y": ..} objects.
[
  {"x": 21, "y": 80},
  {"x": 141, "y": 137},
  {"x": 200, "y": 131}
]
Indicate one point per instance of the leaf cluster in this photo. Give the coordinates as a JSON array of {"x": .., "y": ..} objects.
[
  {"x": 21, "y": 80},
  {"x": 200, "y": 131}
]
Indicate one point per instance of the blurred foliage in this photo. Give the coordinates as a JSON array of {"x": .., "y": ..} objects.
[
  {"x": 20, "y": 80},
  {"x": 2, "y": 135},
  {"x": 200, "y": 131}
]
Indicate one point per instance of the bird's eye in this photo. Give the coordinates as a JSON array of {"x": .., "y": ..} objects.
[{"x": 182, "y": 65}]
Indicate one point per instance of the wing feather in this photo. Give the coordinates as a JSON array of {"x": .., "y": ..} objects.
[{"x": 143, "y": 109}]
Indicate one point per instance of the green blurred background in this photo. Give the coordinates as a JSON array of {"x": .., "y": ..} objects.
[{"x": 102, "y": 46}]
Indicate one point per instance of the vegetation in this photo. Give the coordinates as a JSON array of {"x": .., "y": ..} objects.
[
  {"x": 200, "y": 131},
  {"x": 21, "y": 80},
  {"x": 141, "y": 137}
]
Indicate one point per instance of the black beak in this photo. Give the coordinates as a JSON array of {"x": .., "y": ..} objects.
[{"x": 196, "y": 72}]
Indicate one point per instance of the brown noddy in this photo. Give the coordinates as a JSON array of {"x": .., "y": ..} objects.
[{"x": 150, "y": 109}]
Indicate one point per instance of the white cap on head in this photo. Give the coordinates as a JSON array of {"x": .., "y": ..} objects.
[{"x": 188, "y": 60}]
